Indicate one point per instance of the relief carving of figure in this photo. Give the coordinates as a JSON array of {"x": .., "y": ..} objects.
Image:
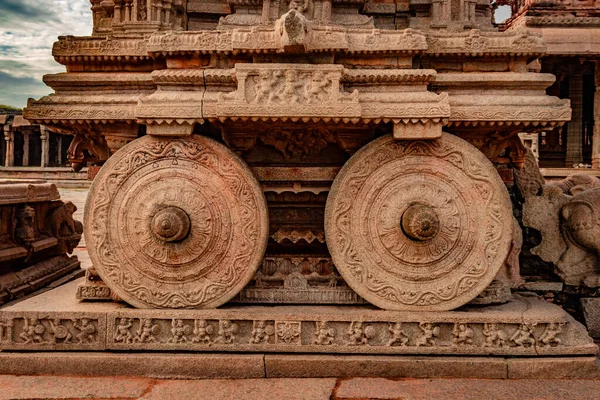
[
  {"x": 523, "y": 337},
  {"x": 462, "y": 334},
  {"x": 33, "y": 331},
  {"x": 398, "y": 336},
  {"x": 227, "y": 331},
  {"x": 494, "y": 337},
  {"x": 146, "y": 332},
  {"x": 550, "y": 336},
  {"x": 292, "y": 91},
  {"x": 359, "y": 334},
  {"x": 319, "y": 90},
  {"x": 179, "y": 331},
  {"x": 123, "y": 333},
  {"x": 430, "y": 332},
  {"x": 202, "y": 331},
  {"x": 567, "y": 214},
  {"x": 261, "y": 332},
  {"x": 25, "y": 230},
  {"x": 87, "y": 330},
  {"x": 324, "y": 335},
  {"x": 60, "y": 332},
  {"x": 61, "y": 220}
]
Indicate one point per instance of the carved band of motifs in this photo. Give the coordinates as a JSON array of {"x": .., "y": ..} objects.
[{"x": 227, "y": 331}]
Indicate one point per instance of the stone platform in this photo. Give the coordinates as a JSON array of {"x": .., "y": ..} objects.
[{"x": 526, "y": 326}]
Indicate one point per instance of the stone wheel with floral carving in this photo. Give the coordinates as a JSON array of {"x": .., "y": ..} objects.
[
  {"x": 418, "y": 225},
  {"x": 176, "y": 223}
]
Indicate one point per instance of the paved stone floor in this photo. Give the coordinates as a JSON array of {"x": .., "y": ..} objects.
[
  {"x": 69, "y": 387},
  {"x": 73, "y": 387}
]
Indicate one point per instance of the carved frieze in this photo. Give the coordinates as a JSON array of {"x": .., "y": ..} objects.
[
  {"x": 58, "y": 331},
  {"x": 499, "y": 332},
  {"x": 286, "y": 91},
  {"x": 476, "y": 42}
]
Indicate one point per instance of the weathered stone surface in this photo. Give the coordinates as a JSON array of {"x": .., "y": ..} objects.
[
  {"x": 199, "y": 231},
  {"x": 284, "y": 389},
  {"x": 41, "y": 387},
  {"x": 347, "y": 366},
  {"x": 153, "y": 365},
  {"x": 362, "y": 388},
  {"x": 418, "y": 225},
  {"x": 591, "y": 313},
  {"x": 567, "y": 215},
  {"x": 553, "y": 368},
  {"x": 524, "y": 326}
]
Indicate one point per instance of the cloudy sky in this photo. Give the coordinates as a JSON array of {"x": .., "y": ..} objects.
[{"x": 27, "y": 30}]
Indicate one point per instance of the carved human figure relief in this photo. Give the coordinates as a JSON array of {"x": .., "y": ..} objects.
[
  {"x": 147, "y": 331},
  {"x": 550, "y": 336},
  {"x": 397, "y": 335},
  {"x": 261, "y": 332},
  {"x": 359, "y": 334},
  {"x": 324, "y": 335},
  {"x": 202, "y": 331},
  {"x": 123, "y": 331},
  {"x": 523, "y": 337},
  {"x": 33, "y": 331},
  {"x": 227, "y": 331},
  {"x": 60, "y": 332},
  {"x": 462, "y": 335},
  {"x": 179, "y": 330},
  {"x": 494, "y": 336},
  {"x": 87, "y": 330},
  {"x": 430, "y": 333}
]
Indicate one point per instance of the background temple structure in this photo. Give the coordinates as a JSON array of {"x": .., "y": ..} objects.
[
  {"x": 571, "y": 30},
  {"x": 31, "y": 145}
]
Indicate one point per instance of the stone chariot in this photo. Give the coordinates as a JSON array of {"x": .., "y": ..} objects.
[{"x": 304, "y": 152}]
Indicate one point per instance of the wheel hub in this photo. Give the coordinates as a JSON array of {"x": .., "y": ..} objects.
[{"x": 171, "y": 224}]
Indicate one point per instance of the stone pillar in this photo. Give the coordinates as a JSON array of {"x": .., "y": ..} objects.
[
  {"x": 596, "y": 137},
  {"x": 59, "y": 146},
  {"x": 44, "y": 136},
  {"x": 575, "y": 126},
  {"x": 10, "y": 146},
  {"x": 25, "y": 149}
]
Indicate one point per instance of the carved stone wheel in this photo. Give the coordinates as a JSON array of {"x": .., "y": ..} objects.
[
  {"x": 176, "y": 223},
  {"x": 418, "y": 225}
]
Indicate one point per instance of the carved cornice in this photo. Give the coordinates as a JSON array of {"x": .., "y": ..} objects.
[
  {"x": 562, "y": 20},
  {"x": 100, "y": 81},
  {"x": 502, "y": 99},
  {"x": 389, "y": 76},
  {"x": 479, "y": 43},
  {"x": 86, "y": 49}
]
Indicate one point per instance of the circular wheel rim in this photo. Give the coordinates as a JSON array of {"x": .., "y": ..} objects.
[
  {"x": 199, "y": 228},
  {"x": 404, "y": 229}
]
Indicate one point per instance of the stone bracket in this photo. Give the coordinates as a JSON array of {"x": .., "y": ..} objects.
[{"x": 428, "y": 130}]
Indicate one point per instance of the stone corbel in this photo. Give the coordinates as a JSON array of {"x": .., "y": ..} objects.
[
  {"x": 418, "y": 130},
  {"x": 183, "y": 127},
  {"x": 87, "y": 148},
  {"x": 119, "y": 134}
]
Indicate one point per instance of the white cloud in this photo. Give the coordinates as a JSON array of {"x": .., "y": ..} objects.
[{"x": 28, "y": 28}]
